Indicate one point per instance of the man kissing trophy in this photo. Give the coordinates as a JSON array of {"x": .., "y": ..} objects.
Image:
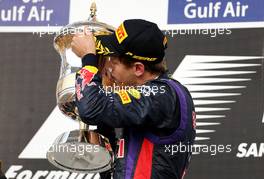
[{"x": 83, "y": 150}]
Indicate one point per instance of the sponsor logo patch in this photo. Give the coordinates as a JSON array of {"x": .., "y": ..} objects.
[
  {"x": 135, "y": 93},
  {"x": 86, "y": 74},
  {"x": 140, "y": 57},
  {"x": 121, "y": 148},
  {"x": 124, "y": 96},
  {"x": 121, "y": 33},
  {"x": 100, "y": 49}
]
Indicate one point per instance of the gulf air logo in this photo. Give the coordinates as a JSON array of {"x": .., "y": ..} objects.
[
  {"x": 121, "y": 33},
  {"x": 203, "y": 75}
]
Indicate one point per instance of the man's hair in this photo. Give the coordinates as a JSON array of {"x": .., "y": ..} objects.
[{"x": 157, "y": 68}]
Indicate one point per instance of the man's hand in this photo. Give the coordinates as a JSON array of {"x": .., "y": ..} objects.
[{"x": 83, "y": 44}]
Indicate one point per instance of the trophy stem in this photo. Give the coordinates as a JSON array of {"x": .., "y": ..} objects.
[
  {"x": 82, "y": 125},
  {"x": 82, "y": 128}
]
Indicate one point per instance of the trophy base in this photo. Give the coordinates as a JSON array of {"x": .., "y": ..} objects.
[{"x": 81, "y": 151}]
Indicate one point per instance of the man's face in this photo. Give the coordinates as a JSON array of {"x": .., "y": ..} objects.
[{"x": 119, "y": 73}]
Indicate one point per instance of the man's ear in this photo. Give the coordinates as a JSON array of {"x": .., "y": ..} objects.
[{"x": 139, "y": 69}]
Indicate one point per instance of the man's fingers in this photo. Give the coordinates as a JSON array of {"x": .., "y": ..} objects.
[
  {"x": 73, "y": 44},
  {"x": 74, "y": 48},
  {"x": 75, "y": 38},
  {"x": 83, "y": 44}
]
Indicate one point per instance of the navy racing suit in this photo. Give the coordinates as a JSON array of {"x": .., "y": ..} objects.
[{"x": 156, "y": 119}]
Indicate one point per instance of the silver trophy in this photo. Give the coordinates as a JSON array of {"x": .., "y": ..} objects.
[{"x": 80, "y": 150}]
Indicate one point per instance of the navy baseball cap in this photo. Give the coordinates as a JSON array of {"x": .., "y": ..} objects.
[{"x": 137, "y": 39}]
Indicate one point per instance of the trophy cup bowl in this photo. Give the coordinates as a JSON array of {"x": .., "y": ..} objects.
[
  {"x": 71, "y": 63},
  {"x": 80, "y": 150}
]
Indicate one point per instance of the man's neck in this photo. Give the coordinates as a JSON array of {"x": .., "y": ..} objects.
[{"x": 147, "y": 76}]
